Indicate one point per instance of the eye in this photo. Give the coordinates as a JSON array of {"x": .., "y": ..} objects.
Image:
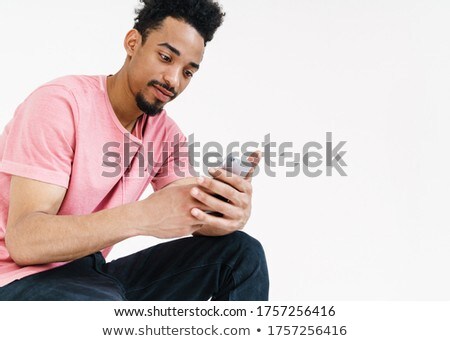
[
  {"x": 188, "y": 74},
  {"x": 165, "y": 58}
]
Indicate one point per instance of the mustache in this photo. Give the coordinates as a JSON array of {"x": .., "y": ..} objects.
[{"x": 162, "y": 85}]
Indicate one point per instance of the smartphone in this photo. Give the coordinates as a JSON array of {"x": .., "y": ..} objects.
[{"x": 233, "y": 165}]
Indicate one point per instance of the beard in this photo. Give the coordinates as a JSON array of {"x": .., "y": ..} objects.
[
  {"x": 152, "y": 109},
  {"x": 148, "y": 108}
]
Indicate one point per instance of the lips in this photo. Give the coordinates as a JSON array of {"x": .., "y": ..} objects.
[{"x": 162, "y": 94}]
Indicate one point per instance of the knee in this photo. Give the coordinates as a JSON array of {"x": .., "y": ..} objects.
[
  {"x": 239, "y": 249},
  {"x": 249, "y": 247},
  {"x": 247, "y": 242},
  {"x": 251, "y": 259}
]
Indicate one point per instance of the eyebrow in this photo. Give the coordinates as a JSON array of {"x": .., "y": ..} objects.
[
  {"x": 178, "y": 53},
  {"x": 171, "y": 48},
  {"x": 194, "y": 65}
]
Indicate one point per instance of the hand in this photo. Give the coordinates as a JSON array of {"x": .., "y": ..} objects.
[
  {"x": 236, "y": 189},
  {"x": 167, "y": 213}
]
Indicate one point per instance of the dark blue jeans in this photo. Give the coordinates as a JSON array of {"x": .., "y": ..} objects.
[{"x": 231, "y": 267}]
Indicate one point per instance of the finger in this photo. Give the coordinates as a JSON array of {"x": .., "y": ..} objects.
[
  {"x": 234, "y": 180},
  {"x": 254, "y": 158},
  {"x": 200, "y": 205},
  {"x": 222, "y": 223},
  {"x": 249, "y": 175},
  {"x": 215, "y": 187},
  {"x": 214, "y": 204}
]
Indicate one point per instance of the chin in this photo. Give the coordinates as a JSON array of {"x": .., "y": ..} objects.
[{"x": 151, "y": 109}]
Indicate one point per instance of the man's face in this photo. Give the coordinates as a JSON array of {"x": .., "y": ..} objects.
[{"x": 161, "y": 68}]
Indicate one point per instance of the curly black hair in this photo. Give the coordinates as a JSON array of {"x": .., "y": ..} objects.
[{"x": 205, "y": 16}]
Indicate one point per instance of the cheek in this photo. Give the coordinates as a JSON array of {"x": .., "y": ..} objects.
[
  {"x": 136, "y": 77},
  {"x": 184, "y": 83},
  {"x": 141, "y": 72}
]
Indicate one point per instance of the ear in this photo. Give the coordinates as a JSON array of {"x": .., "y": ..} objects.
[{"x": 132, "y": 41}]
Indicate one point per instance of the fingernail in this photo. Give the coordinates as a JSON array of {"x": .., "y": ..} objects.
[
  {"x": 213, "y": 171},
  {"x": 200, "y": 180},
  {"x": 194, "y": 191}
]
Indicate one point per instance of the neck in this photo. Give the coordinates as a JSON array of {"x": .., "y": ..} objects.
[{"x": 122, "y": 100}]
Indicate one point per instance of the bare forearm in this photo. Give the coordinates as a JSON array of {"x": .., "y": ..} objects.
[{"x": 41, "y": 238}]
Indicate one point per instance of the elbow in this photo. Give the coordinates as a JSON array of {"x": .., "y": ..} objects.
[{"x": 16, "y": 251}]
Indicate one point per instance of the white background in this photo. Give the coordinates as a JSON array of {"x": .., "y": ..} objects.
[
  {"x": 375, "y": 73},
  {"x": 362, "y": 320}
]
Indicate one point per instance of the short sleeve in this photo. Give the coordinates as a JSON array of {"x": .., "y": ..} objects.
[
  {"x": 39, "y": 142},
  {"x": 176, "y": 163}
]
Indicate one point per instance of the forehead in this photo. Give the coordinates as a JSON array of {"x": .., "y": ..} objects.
[{"x": 180, "y": 35}]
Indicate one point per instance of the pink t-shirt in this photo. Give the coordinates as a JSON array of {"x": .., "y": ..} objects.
[{"x": 67, "y": 134}]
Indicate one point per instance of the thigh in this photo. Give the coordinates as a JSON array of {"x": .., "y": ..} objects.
[
  {"x": 193, "y": 268},
  {"x": 76, "y": 281}
]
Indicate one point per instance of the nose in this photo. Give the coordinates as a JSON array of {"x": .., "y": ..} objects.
[{"x": 171, "y": 78}]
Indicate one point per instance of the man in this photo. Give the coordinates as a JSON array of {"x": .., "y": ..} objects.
[{"x": 61, "y": 210}]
